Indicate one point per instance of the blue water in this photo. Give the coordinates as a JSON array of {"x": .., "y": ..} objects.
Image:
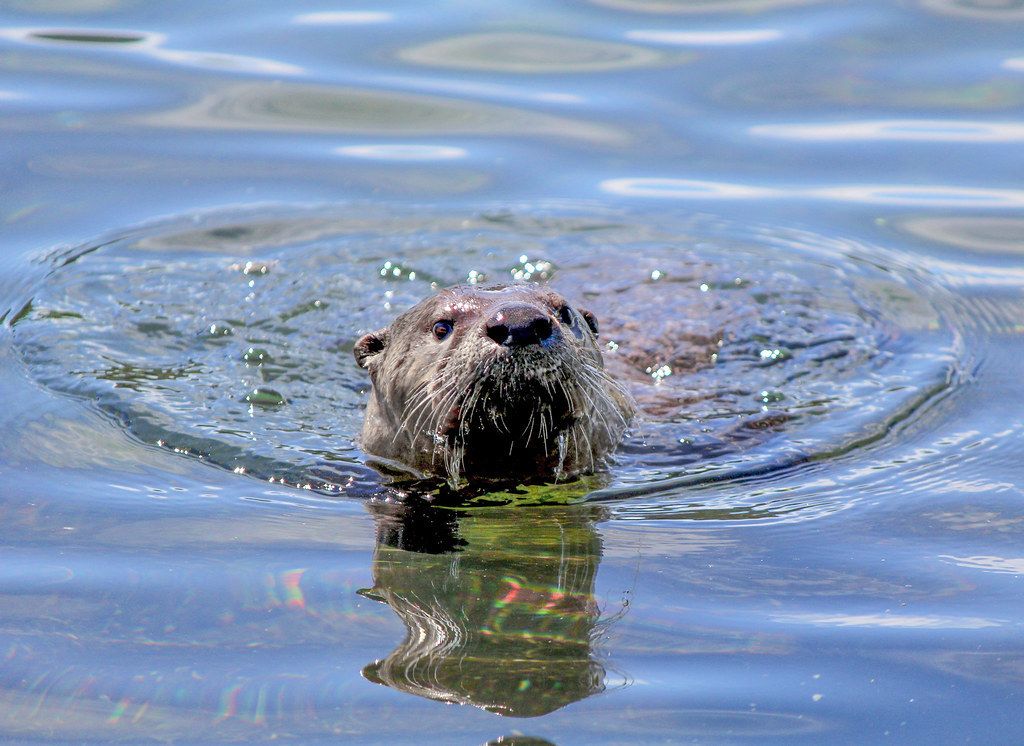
[{"x": 802, "y": 227}]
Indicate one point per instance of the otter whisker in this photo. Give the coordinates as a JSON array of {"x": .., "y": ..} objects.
[
  {"x": 426, "y": 409},
  {"x": 439, "y": 413},
  {"x": 412, "y": 407},
  {"x": 606, "y": 401},
  {"x": 528, "y": 430},
  {"x": 604, "y": 383},
  {"x": 439, "y": 409},
  {"x": 574, "y": 432},
  {"x": 428, "y": 402}
]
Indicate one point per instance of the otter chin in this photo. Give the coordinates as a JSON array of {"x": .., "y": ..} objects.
[{"x": 502, "y": 382}]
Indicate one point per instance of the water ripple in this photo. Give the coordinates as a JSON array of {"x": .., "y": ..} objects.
[
  {"x": 534, "y": 53},
  {"x": 750, "y": 359},
  {"x": 343, "y": 18},
  {"x": 980, "y": 10},
  {"x": 688, "y": 7},
  {"x": 150, "y": 45},
  {"x": 731, "y": 37},
  {"x": 403, "y": 152},
  {"x": 872, "y": 194},
  {"x": 266, "y": 106},
  {"x": 904, "y": 130}
]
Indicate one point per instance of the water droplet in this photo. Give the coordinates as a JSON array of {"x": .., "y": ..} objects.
[
  {"x": 261, "y": 397},
  {"x": 217, "y": 330},
  {"x": 392, "y": 270},
  {"x": 537, "y": 269},
  {"x": 256, "y": 356},
  {"x": 255, "y": 268},
  {"x": 660, "y": 372},
  {"x": 775, "y": 355}
]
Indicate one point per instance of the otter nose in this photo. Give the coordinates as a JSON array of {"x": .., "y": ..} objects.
[{"x": 518, "y": 324}]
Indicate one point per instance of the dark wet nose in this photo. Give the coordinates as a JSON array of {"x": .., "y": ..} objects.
[{"x": 518, "y": 324}]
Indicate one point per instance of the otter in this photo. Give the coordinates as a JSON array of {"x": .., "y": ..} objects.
[{"x": 501, "y": 382}]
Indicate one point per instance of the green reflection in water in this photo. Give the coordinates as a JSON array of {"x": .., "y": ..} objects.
[
  {"x": 498, "y": 604},
  {"x": 982, "y": 234},
  {"x": 127, "y": 375},
  {"x": 536, "y": 53},
  {"x": 84, "y": 37},
  {"x": 859, "y": 90},
  {"x": 336, "y": 110}
]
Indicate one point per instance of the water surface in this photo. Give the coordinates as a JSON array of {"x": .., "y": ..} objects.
[{"x": 800, "y": 224}]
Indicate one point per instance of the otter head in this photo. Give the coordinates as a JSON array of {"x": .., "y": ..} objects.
[{"x": 496, "y": 382}]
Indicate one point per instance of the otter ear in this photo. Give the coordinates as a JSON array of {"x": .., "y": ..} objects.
[
  {"x": 370, "y": 345},
  {"x": 591, "y": 320}
]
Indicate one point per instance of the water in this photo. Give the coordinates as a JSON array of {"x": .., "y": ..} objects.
[{"x": 800, "y": 226}]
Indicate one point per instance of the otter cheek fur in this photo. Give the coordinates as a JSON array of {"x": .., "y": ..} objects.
[{"x": 492, "y": 383}]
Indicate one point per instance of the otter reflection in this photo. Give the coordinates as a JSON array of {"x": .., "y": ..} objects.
[{"x": 498, "y": 605}]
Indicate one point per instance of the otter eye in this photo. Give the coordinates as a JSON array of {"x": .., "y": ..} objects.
[
  {"x": 565, "y": 314},
  {"x": 442, "y": 329}
]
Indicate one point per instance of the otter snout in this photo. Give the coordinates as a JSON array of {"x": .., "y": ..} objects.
[{"x": 518, "y": 325}]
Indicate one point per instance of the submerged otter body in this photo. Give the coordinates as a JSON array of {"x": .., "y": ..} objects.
[{"x": 496, "y": 382}]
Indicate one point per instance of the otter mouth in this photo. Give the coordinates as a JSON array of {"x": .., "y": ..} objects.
[
  {"x": 514, "y": 403},
  {"x": 515, "y": 417}
]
